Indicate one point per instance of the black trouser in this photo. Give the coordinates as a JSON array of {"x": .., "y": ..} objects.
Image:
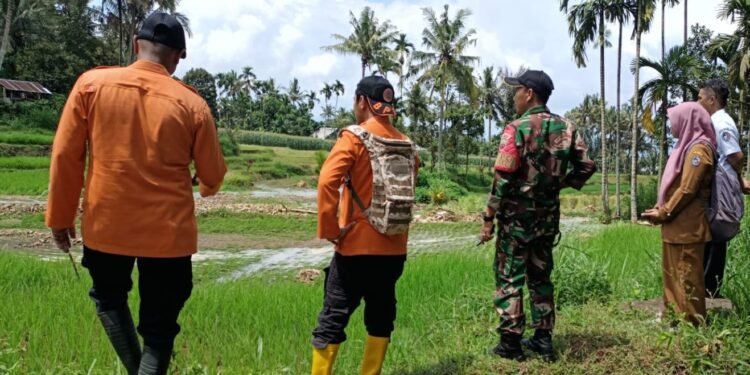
[
  {"x": 163, "y": 283},
  {"x": 348, "y": 280},
  {"x": 714, "y": 260}
]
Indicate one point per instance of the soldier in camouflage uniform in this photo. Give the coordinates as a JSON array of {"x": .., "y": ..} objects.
[{"x": 535, "y": 154}]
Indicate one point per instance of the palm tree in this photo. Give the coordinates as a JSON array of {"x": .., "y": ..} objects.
[
  {"x": 230, "y": 84},
  {"x": 643, "y": 13},
  {"x": 328, "y": 112},
  {"x": 248, "y": 79},
  {"x": 489, "y": 97},
  {"x": 664, "y": 4},
  {"x": 294, "y": 92},
  {"x": 417, "y": 108},
  {"x": 338, "y": 89},
  {"x": 312, "y": 98},
  {"x": 403, "y": 49},
  {"x": 444, "y": 62},
  {"x": 369, "y": 39},
  {"x": 734, "y": 50},
  {"x": 622, "y": 17},
  {"x": 489, "y": 100},
  {"x": 674, "y": 71},
  {"x": 586, "y": 24},
  {"x": 327, "y": 92},
  {"x": 15, "y": 11},
  {"x": 685, "y": 26},
  {"x": 128, "y": 15},
  {"x": 386, "y": 62}
]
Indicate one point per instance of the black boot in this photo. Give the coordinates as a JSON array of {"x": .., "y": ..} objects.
[
  {"x": 510, "y": 347},
  {"x": 541, "y": 344},
  {"x": 121, "y": 332},
  {"x": 154, "y": 361}
]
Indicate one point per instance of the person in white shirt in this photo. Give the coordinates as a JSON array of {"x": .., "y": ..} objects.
[{"x": 713, "y": 97}]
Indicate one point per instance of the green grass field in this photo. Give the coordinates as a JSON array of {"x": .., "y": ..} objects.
[
  {"x": 261, "y": 324},
  {"x": 26, "y": 137},
  {"x": 24, "y": 181}
]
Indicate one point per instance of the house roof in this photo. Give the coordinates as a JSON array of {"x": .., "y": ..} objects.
[{"x": 24, "y": 86}]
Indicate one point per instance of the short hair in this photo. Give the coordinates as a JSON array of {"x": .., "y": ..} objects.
[
  {"x": 543, "y": 97},
  {"x": 719, "y": 88}
]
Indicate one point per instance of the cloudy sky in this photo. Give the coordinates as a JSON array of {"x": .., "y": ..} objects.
[{"x": 282, "y": 39}]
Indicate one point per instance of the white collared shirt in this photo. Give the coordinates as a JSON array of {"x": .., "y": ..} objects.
[{"x": 727, "y": 138}]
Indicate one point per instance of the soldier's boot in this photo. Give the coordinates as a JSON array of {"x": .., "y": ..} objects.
[
  {"x": 118, "y": 324},
  {"x": 323, "y": 359},
  {"x": 155, "y": 361},
  {"x": 510, "y": 347},
  {"x": 372, "y": 361},
  {"x": 541, "y": 344}
]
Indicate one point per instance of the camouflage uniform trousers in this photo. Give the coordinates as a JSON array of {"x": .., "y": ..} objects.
[{"x": 524, "y": 254}]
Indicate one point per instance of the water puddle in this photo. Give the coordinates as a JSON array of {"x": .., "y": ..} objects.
[
  {"x": 21, "y": 201},
  {"x": 269, "y": 192}
]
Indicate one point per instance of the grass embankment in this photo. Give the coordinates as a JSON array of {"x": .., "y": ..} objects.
[{"x": 262, "y": 324}]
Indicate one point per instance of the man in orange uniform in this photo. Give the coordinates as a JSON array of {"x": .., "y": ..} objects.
[
  {"x": 367, "y": 264},
  {"x": 142, "y": 130}
]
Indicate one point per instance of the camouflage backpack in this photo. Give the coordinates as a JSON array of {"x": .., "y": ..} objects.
[{"x": 393, "y": 164}]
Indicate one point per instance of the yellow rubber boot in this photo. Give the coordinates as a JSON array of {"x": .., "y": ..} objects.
[
  {"x": 322, "y": 359},
  {"x": 375, "y": 348}
]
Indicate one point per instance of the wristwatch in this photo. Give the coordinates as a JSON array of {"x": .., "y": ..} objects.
[{"x": 487, "y": 218}]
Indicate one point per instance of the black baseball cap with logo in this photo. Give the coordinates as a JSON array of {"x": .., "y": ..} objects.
[
  {"x": 536, "y": 80},
  {"x": 379, "y": 93},
  {"x": 164, "y": 29}
]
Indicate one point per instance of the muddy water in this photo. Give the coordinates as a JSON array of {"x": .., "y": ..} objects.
[{"x": 259, "y": 260}]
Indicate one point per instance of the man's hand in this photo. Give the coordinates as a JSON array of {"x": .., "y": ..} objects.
[
  {"x": 486, "y": 233},
  {"x": 652, "y": 215},
  {"x": 342, "y": 233},
  {"x": 62, "y": 238},
  {"x": 745, "y": 187}
]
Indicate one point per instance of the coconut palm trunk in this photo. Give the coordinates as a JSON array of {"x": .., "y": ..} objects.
[
  {"x": 634, "y": 124},
  {"x": 684, "y": 41},
  {"x": 663, "y": 109},
  {"x": 119, "y": 16},
  {"x": 441, "y": 128},
  {"x": 618, "y": 205},
  {"x": 9, "y": 13},
  {"x": 605, "y": 182}
]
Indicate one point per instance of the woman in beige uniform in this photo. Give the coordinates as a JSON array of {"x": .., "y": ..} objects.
[{"x": 684, "y": 193}]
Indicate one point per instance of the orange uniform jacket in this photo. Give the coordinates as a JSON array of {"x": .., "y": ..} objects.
[
  {"x": 142, "y": 129},
  {"x": 349, "y": 155}
]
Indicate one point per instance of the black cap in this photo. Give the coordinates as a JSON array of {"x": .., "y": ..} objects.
[
  {"x": 536, "y": 80},
  {"x": 379, "y": 93},
  {"x": 164, "y": 29}
]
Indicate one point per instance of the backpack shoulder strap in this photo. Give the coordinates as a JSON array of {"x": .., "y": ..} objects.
[
  {"x": 357, "y": 130},
  {"x": 364, "y": 136}
]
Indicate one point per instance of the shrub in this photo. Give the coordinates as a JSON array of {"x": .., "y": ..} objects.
[
  {"x": 229, "y": 146},
  {"x": 43, "y": 114},
  {"x": 24, "y": 150},
  {"x": 283, "y": 140},
  {"x": 647, "y": 195},
  {"x": 320, "y": 158},
  {"x": 422, "y": 195},
  {"x": 278, "y": 170},
  {"x": 578, "y": 280}
]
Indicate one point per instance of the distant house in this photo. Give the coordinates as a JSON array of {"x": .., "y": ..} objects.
[
  {"x": 22, "y": 90},
  {"x": 325, "y": 133}
]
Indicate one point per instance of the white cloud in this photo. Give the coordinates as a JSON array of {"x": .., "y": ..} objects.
[
  {"x": 283, "y": 38},
  {"x": 317, "y": 66}
]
